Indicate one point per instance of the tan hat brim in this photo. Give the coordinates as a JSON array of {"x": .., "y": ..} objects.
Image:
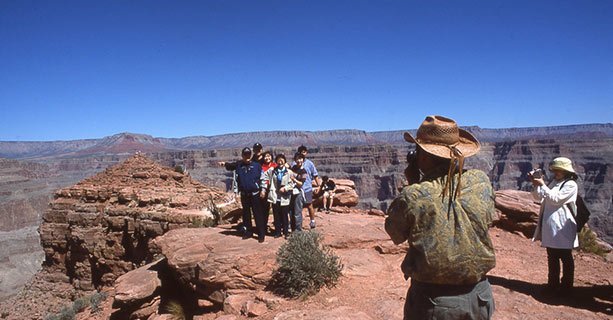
[{"x": 468, "y": 145}]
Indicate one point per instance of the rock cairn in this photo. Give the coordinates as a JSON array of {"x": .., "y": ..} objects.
[{"x": 101, "y": 227}]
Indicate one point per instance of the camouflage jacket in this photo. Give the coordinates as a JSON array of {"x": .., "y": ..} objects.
[{"x": 449, "y": 242}]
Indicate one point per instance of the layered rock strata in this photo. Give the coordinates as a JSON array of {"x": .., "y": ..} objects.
[{"x": 101, "y": 227}]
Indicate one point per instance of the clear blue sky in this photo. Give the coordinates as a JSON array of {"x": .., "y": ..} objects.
[{"x": 88, "y": 69}]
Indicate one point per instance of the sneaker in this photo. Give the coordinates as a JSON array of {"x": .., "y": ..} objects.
[
  {"x": 312, "y": 224},
  {"x": 261, "y": 240},
  {"x": 247, "y": 236},
  {"x": 277, "y": 235}
]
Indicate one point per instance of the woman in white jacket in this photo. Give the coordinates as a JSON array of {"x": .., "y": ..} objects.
[
  {"x": 557, "y": 229},
  {"x": 279, "y": 187}
]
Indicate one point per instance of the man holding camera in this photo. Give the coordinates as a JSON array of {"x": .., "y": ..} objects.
[{"x": 444, "y": 213}]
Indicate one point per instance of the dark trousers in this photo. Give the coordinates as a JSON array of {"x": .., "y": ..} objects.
[
  {"x": 281, "y": 214},
  {"x": 434, "y": 301},
  {"x": 266, "y": 211},
  {"x": 252, "y": 205},
  {"x": 296, "y": 204},
  {"x": 568, "y": 266}
]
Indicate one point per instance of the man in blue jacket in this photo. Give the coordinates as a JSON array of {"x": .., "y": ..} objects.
[{"x": 249, "y": 175}]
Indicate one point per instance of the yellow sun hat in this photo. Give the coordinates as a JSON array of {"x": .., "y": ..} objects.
[{"x": 562, "y": 163}]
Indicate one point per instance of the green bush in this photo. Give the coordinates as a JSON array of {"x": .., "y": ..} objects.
[
  {"x": 96, "y": 299},
  {"x": 588, "y": 243},
  {"x": 69, "y": 312},
  {"x": 305, "y": 266}
]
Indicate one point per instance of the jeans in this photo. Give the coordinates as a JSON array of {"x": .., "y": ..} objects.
[
  {"x": 296, "y": 204},
  {"x": 568, "y": 265},
  {"x": 433, "y": 301},
  {"x": 252, "y": 204},
  {"x": 281, "y": 214}
]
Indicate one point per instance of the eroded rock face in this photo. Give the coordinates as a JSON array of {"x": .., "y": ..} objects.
[
  {"x": 213, "y": 261},
  {"x": 101, "y": 227},
  {"x": 518, "y": 211}
]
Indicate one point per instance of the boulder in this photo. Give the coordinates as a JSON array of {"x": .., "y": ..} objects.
[
  {"x": 137, "y": 285},
  {"x": 254, "y": 308},
  {"x": 214, "y": 260},
  {"x": 517, "y": 211},
  {"x": 345, "y": 194}
]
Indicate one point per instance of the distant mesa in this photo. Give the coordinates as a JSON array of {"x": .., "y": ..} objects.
[
  {"x": 125, "y": 143},
  {"x": 131, "y": 142}
]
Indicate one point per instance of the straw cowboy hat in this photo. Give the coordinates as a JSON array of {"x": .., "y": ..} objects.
[
  {"x": 564, "y": 164},
  {"x": 441, "y": 137}
]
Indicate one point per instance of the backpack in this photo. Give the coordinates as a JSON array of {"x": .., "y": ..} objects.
[{"x": 579, "y": 210}]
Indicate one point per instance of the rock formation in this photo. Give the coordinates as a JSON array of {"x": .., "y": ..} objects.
[
  {"x": 101, "y": 227},
  {"x": 516, "y": 211}
]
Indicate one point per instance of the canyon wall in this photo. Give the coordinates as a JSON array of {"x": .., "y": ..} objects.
[{"x": 374, "y": 161}]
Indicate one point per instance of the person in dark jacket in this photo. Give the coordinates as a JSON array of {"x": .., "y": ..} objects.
[{"x": 249, "y": 175}]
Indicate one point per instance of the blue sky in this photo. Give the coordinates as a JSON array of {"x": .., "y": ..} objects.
[{"x": 88, "y": 69}]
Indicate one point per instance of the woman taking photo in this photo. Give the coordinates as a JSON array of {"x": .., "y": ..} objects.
[{"x": 557, "y": 228}]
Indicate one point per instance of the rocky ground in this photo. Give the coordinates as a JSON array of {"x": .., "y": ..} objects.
[{"x": 372, "y": 286}]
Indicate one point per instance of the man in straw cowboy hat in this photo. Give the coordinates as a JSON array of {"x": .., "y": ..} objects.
[{"x": 444, "y": 213}]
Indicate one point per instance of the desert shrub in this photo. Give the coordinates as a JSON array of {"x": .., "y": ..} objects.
[
  {"x": 80, "y": 304},
  {"x": 96, "y": 299},
  {"x": 200, "y": 222},
  {"x": 179, "y": 168},
  {"x": 305, "y": 266},
  {"x": 69, "y": 312},
  {"x": 588, "y": 243},
  {"x": 175, "y": 309}
]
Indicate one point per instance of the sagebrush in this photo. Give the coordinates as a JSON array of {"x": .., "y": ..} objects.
[
  {"x": 588, "y": 243},
  {"x": 305, "y": 266},
  {"x": 69, "y": 312}
]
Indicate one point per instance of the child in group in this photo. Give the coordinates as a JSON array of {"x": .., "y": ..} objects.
[
  {"x": 327, "y": 191},
  {"x": 298, "y": 177}
]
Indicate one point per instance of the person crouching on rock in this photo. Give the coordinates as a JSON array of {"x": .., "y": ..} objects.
[
  {"x": 556, "y": 227},
  {"x": 249, "y": 174},
  {"x": 278, "y": 185},
  {"x": 298, "y": 177},
  {"x": 327, "y": 191},
  {"x": 444, "y": 213}
]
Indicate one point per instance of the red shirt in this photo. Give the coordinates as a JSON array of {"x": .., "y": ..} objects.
[{"x": 265, "y": 166}]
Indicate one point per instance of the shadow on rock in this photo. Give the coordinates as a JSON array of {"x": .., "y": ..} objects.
[{"x": 598, "y": 298}]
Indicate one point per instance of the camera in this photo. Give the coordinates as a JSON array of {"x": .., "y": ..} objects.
[
  {"x": 412, "y": 171},
  {"x": 536, "y": 174}
]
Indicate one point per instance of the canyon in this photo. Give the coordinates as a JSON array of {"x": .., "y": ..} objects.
[{"x": 31, "y": 172}]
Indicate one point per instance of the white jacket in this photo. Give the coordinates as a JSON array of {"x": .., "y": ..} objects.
[
  {"x": 556, "y": 227},
  {"x": 270, "y": 179}
]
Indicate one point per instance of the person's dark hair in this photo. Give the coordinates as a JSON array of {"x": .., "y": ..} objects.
[
  {"x": 280, "y": 156},
  {"x": 265, "y": 153},
  {"x": 325, "y": 178},
  {"x": 298, "y": 155},
  {"x": 246, "y": 150},
  {"x": 570, "y": 175},
  {"x": 302, "y": 148},
  {"x": 257, "y": 146}
]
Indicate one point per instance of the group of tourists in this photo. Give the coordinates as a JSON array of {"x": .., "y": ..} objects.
[
  {"x": 285, "y": 185},
  {"x": 445, "y": 212}
]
